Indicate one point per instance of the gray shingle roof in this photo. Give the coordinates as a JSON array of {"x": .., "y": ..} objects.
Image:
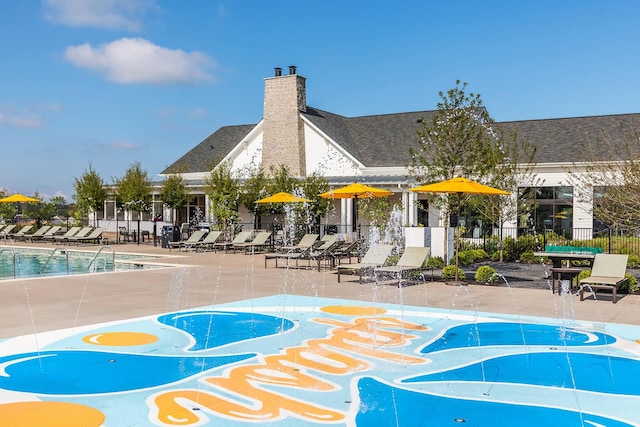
[
  {"x": 561, "y": 140},
  {"x": 384, "y": 140},
  {"x": 211, "y": 150}
]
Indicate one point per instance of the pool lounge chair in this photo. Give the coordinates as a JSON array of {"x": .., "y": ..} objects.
[
  {"x": 376, "y": 256},
  {"x": 241, "y": 237},
  {"x": 346, "y": 251},
  {"x": 324, "y": 252},
  {"x": 49, "y": 232},
  {"x": 70, "y": 232},
  {"x": 39, "y": 232},
  {"x": 208, "y": 241},
  {"x": 8, "y": 229},
  {"x": 303, "y": 244},
  {"x": 80, "y": 233},
  {"x": 259, "y": 242},
  {"x": 19, "y": 234},
  {"x": 608, "y": 273},
  {"x": 194, "y": 238},
  {"x": 94, "y": 236},
  {"x": 411, "y": 260}
]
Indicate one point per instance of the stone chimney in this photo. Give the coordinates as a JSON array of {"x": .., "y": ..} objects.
[{"x": 283, "y": 137}]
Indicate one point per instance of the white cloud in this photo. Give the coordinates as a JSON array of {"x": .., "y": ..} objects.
[
  {"x": 197, "y": 113},
  {"x": 21, "y": 120},
  {"x": 123, "y": 146},
  {"x": 136, "y": 60},
  {"x": 111, "y": 14}
]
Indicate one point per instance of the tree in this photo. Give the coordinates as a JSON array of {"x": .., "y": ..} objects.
[
  {"x": 134, "y": 189},
  {"x": 312, "y": 186},
  {"x": 61, "y": 207},
  {"x": 174, "y": 193},
  {"x": 515, "y": 165},
  {"x": 8, "y": 211},
  {"x": 612, "y": 164},
  {"x": 90, "y": 192},
  {"x": 40, "y": 211},
  {"x": 460, "y": 140},
  {"x": 254, "y": 188},
  {"x": 223, "y": 190}
]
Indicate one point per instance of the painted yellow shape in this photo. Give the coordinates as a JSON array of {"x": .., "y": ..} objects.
[
  {"x": 353, "y": 310},
  {"x": 120, "y": 339},
  {"x": 50, "y": 414}
]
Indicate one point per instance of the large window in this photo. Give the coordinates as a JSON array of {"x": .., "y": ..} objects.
[{"x": 552, "y": 210}]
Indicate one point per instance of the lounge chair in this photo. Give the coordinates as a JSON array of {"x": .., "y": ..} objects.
[
  {"x": 608, "y": 273},
  {"x": 49, "y": 232},
  {"x": 259, "y": 242},
  {"x": 94, "y": 236},
  {"x": 20, "y": 234},
  {"x": 304, "y": 244},
  {"x": 7, "y": 230},
  {"x": 347, "y": 250},
  {"x": 375, "y": 256},
  {"x": 241, "y": 237},
  {"x": 208, "y": 241},
  {"x": 411, "y": 260},
  {"x": 80, "y": 233},
  {"x": 70, "y": 232},
  {"x": 194, "y": 238},
  {"x": 324, "y": 252},
  {"x": 39, "y": 232}
]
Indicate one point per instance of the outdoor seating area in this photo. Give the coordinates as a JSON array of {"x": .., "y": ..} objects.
[{"x": 608, "y": 273}]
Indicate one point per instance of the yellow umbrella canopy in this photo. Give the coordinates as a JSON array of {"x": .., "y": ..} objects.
[
  {"x": 459, "y": 186},
  {"x": 355, "y": 191},
  {"x": 18, "y": 198},
  {"x": 283, "y": 197}
]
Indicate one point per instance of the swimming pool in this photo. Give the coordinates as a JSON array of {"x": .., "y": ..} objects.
[
  {"x": 33, "y": 262},
  {"x": 292, "y": 361}
]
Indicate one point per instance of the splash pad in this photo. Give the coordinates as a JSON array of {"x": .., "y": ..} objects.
[{"x": 290, "y": 360}]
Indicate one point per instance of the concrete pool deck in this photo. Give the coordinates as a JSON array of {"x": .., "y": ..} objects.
[{"x": 207, "y": 279}]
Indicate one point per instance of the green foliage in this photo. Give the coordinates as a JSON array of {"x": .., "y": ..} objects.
[
  {"x": 174, "y": 193},
  {"x": 466, "y": 257},
  {"x": 434, "y": 263},
  {"x": 449, "y": 272},
  {"x": 41, "y": 211},
  {"x": 90, "y": 192},
  {"x": 224, "y": 191},
  {"x": 486, "y": 274},
  {"x": 633, "y": 261},
  {"x": 583, "y": 274},
  {"x": 480, "y": 254},
  {"x": 312, "y": 185},
  {"x": 134, "y": 189}
]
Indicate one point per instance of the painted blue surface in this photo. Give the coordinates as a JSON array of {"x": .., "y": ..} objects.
[
  {"x": 581, "y": 371},
  {"x": 489, "y": 373},
  {"x": 90, "y": 372},
  {"x": 483, "y": 334},
  {"x": 383, "y": 405},
  {"x": 211, "y": 329}
]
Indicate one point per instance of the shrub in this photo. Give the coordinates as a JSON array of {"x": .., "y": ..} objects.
[
  {"x": 486, "y": 274},
  {"x": 449, "y": 272},
  {"x": 480, "y": 254},
  {"x": 634, "y": 261},
  {"x": 434, "y": 263},
  {"x": 466, "y": 257}
]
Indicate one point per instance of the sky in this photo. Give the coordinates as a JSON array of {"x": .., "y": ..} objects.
[{"x": 106, "y": 83}]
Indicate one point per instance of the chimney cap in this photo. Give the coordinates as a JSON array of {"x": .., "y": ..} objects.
[
  {"x": 292, "y": 69},
  {"x": 278, "y": 71}
]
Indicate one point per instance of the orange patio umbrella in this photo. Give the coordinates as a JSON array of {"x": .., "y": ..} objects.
[
  {"x": 356, "y": 191},
  {"x": 459, "y": 186},
  {"x": 283, "y": 197}
]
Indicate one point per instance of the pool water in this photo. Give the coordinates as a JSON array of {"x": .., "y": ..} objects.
[{"x": 44, "y": 262}]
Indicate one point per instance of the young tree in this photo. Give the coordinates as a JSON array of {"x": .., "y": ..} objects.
[
  {"x": 223, "y": 190},
  {"x": 515, "y": 165},
  {"x": 460, "y": 140},
  {"x": 40, "y": 211},
  {"x": 255, "y": 188},
  {"x": 134, "y": 189},
  {"x": 90, "y": 192},
  {"x": 608, "y": 177},
  {"x": 174, "y": 193},
  {"x": 7, "y": 210}
]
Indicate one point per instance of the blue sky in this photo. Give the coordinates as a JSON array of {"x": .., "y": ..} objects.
[{"x": 110, "y": 82}]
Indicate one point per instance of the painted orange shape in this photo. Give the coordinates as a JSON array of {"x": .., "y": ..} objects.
[{"x": 49, "y": 414}]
